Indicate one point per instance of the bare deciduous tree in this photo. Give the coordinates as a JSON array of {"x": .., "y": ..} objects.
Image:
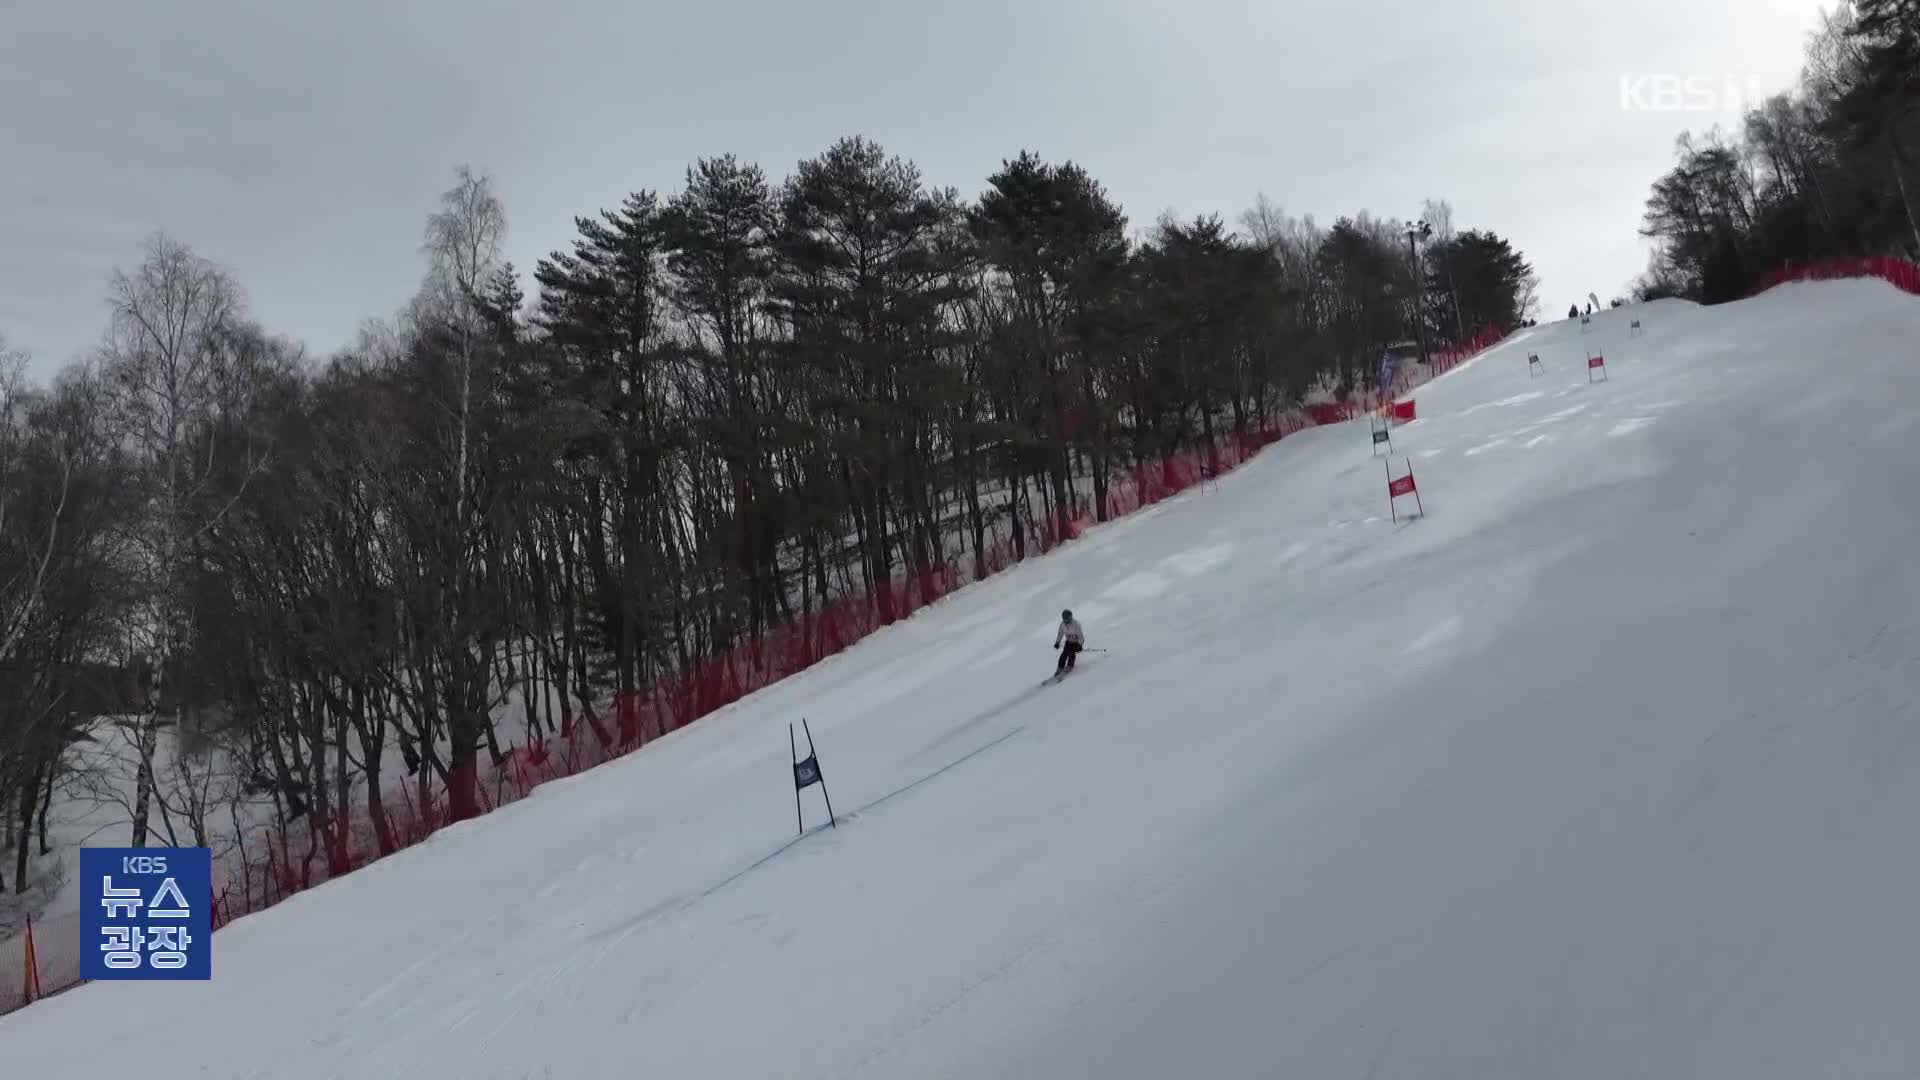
[
  {"x": 58, "y": 489},
  {"x": 463, "y": 246},
  {"x": 174, "y": 374}
]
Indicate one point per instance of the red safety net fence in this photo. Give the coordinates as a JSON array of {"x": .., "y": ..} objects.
[
  {"x": 1452, "y": 356},
  {"x": 1900, "y": 273},
  {"x": 1440, "y": 361},
  {"x": 270, "y": 866}
]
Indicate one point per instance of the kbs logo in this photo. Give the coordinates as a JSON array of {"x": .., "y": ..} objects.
[
  {"x": 146, "y": 913},
  {"x": 1689, "y": 93}
]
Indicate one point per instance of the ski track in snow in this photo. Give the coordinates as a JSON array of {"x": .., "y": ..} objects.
[
  {"x": 1604, "y": 768},
  {"x": 1135, "y": 587}
]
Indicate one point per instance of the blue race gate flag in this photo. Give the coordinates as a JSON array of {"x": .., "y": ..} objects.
[{"x": 146, "y": 913}]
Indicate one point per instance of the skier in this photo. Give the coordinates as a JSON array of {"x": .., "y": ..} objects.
[{"x": 1075, "y": 640}]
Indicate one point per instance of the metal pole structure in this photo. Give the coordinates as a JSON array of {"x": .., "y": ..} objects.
[{"x": 1419, "y": 230}]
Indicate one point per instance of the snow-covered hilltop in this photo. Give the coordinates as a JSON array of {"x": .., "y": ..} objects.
[{"x": 1605, "y": 767}]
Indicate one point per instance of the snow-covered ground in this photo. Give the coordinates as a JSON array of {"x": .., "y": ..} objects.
[
  {"x": 91, "y": 806},
  {"x": 1607, "y": 767}
]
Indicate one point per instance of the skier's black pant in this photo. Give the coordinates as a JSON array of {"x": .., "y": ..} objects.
[{"x": 1067, "y": 652}]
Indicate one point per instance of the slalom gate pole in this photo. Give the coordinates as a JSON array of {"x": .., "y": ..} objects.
[
  {"x": 799, "y": 822},
  {"x": 815, "y": 754},
  {"x": 1393, "y": 511}
]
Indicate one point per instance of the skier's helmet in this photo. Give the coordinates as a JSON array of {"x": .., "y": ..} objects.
[{"x": 1066, "y": 616}]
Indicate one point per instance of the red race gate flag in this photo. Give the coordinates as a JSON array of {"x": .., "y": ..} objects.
[
  {"x": 1596, "y": 362},
  {"x": 1400, "y": 486}
]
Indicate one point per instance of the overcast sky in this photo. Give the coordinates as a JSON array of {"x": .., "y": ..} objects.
[{"x": 302, "y": 145}]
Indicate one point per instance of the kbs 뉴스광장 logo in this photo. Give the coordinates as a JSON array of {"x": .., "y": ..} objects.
[{"x": 146, "y": 913}]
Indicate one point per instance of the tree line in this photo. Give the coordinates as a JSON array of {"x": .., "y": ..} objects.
[
  {"x": 714, "y": 413},
  {"x": 1830, "y": 168}
]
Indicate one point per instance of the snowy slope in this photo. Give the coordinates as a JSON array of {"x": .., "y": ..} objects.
[{"x": 1606, "y": 768}]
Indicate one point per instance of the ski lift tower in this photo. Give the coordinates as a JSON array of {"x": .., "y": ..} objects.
[{"x": 1420, "y": 230}]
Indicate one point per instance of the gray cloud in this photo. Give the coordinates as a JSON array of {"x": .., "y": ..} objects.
[{"x": 303, "y": 145}]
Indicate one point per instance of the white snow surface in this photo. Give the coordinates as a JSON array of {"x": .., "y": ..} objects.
[{"x": 1608, "y": 767}]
